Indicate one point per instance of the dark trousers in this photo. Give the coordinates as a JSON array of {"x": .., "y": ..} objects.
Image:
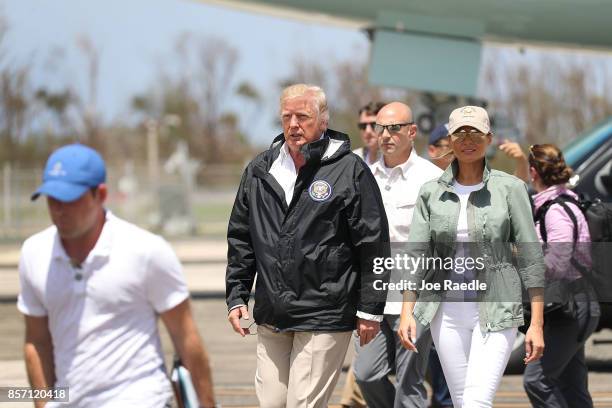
[
  {"x": 384, "y": 355},
  {"x": 560, "y": 378}
]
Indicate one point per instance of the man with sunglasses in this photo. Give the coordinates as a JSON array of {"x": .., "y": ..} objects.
[
  {"x": 367, "y": 120},
  {"x": 399, "y": 172}
]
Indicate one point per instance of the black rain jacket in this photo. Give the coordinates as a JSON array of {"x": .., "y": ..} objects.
[{"x": 313, "y": 258}]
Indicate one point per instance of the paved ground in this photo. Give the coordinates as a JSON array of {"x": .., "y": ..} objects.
[{"x": 232, "y": 357}]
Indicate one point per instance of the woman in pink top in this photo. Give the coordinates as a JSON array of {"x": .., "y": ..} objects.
[
  {"x": 560, "y": 378},
  {"x": 549, "y": 174}
]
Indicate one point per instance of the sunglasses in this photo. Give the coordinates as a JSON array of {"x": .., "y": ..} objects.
[
  {"x": 531, "y": 155},
  {"x": 532, "y": 159},
  {"x": 475, "y": 136},
  {"x": 252, "y": 330},
  {"x": 394, "y": 128},
  {"x": 364, "y": 125}
]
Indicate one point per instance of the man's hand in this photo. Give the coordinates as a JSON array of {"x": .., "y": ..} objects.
[
  {"x": 190, "y": 348},
  {"x": 366, "y": 330},
  {"x": 514, "y": 151},
  {"x": 534, "y": 344},
  {"x": 234, "y": 319},
  {"x": 38, "y": 353},
  {"x": 407, "y": 331}
]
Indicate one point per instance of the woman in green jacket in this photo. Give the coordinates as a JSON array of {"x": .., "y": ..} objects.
[{"x": 480, "y": 221}]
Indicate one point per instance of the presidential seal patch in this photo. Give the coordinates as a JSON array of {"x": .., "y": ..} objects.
[{"x": 320, "y": 190}]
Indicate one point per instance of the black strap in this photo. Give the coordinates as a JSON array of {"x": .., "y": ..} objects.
[
  {"x": 540, "y": 216},
  {"x": 572, "y": 216}
]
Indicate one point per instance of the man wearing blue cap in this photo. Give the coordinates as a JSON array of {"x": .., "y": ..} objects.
[
  {"x": 92, "y": 286},
  {"x": 439, "y": 147}
]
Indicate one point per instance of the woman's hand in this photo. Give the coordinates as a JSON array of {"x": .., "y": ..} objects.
[
  {"x": 534, "y": 343},
  {"x": 407, "y": 331},
  {"x": 534, "y": 339}
]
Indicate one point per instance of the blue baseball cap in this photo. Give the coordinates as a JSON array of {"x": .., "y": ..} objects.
[
  {"x": 438, "y": 133},
  {"x": 71, "y": 171}
]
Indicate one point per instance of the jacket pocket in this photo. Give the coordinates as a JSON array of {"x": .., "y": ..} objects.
[
  {"x": 337, "y": 279},
  {"x": 439, "y": 228},
  {"x": 504, "y": 283}
]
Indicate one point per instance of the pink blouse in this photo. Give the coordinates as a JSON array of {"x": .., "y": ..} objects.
[{"x": 560, "y": 235}]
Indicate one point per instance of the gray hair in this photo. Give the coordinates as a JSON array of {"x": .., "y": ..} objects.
[{"x": 320, "y": 99}]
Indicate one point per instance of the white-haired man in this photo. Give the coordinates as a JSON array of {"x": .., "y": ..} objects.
[{"x": 307, "y": 219}]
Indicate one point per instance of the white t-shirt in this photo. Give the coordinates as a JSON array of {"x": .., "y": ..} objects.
[
  {"x": 462, "y": 228},
  {"x": 464, "y": 193},
  {"x": 103, "y": 316},
  {"x": 399, "y": 187}
]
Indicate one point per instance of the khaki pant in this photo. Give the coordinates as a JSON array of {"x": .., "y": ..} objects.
[{"x": 298, "y": 369}]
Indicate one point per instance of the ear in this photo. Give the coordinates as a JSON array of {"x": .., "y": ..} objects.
[
  {"x": 101, "y": 193},
  {"x": 412, "y": 132},
  {"x": 431, "y": 150},
  {"x": 533, "y": 174},
  {"x": 323, "y": 125},
  {"x": 489, "y": 139}
]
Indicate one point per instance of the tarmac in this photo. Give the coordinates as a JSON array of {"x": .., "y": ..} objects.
[{"x": 233, "y": 357}]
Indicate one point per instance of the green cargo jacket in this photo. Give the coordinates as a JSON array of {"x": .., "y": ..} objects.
[{"x": 500, "y": 226}]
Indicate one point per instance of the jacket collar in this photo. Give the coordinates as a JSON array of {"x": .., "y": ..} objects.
[
  {"x": 450, "y": 174},
  {"x": 329, "y": 147}
]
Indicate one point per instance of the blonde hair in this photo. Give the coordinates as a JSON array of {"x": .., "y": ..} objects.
[{"x": 294, "y": 91}]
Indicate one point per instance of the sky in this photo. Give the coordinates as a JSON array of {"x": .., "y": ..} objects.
[{"x": 136, "y": 36}]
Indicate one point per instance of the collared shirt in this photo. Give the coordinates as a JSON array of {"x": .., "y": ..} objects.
[
  {"x": 103, "y": 314},
  {"x": 283, "y": 170},
  {"x": 399, "y": 187},
  {"x": 365, "y": 153}
]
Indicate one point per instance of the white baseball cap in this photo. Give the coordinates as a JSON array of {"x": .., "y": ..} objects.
[{"x": 473, "y": 116}]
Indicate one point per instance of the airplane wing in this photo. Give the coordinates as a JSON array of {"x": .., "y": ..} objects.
[{"x": 435, "y": 45}]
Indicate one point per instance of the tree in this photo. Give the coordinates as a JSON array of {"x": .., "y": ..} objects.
[
  {"x": 198, "y": 92},
  {"x": 15, "y": 100},
  {"x": 88, "y": 106},
  {"x": 551, "y": 97}
]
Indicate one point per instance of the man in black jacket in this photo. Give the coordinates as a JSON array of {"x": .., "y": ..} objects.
[{"x": 308, "y": 220}]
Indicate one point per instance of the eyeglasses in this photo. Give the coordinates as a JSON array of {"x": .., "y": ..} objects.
[
  {"x": 364, "y": 125},
  {"x": 394, "y": 128},
  {"x": 531, "y": 155},
  {"x": 251, "y": 333},
  {"x": 532, "y": 159},
  {"x": 474, "y": 135}
]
